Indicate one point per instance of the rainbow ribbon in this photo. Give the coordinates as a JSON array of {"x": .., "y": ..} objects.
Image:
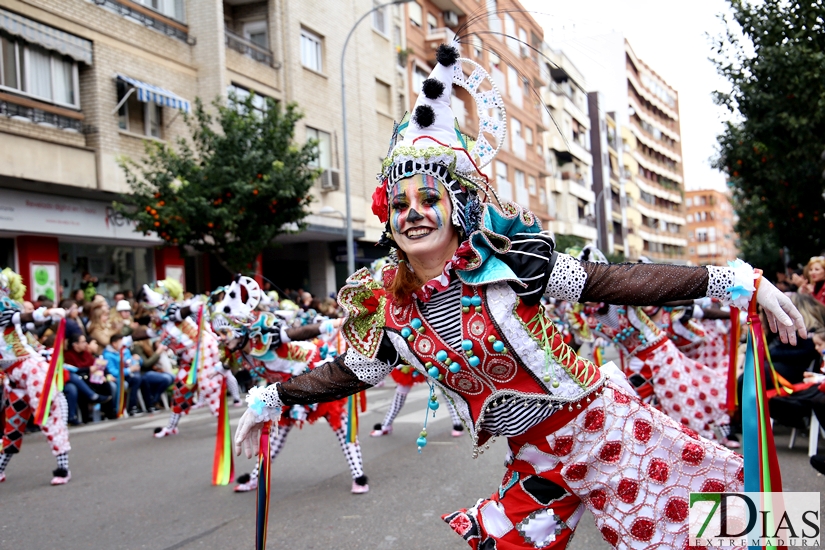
[
  {"x": 733, "y": 355},
  {"x": 54, "y": 377},
  {"x": 598, "y": 356},
  {"x": 121, "y": 389},
  {"x": 223, "y": 468},
  {"x": 193, "y": 368},
  {"x": 352, "y": 417},
  {"x": 761, "y": 464},
  {"x": 262, "y": 508}
]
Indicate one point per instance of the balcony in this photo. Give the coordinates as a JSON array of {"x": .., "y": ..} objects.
[
  {"x": 148, "y": 17},
  {"x": 40, "y": 113},
  {"x": 434, "y": 39},
  {"x": 249, "y": 49},
  {"x": 519, "y": 147}
]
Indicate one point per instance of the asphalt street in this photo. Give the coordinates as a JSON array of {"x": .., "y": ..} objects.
[{"x": 131, "y": 491}]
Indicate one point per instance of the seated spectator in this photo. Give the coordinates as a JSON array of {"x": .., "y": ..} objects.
[
  {"x": 155, "y": 381},
  {"x": 113, "y": 354},
  {"x": 74, "y": 324},
  {"x": 79, "y": 363},
  {"x": 99, "y": 328},
  {"x": 124, "y": 316}
]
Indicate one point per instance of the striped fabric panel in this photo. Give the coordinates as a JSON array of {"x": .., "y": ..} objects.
[{"x": 443, "y": 312}]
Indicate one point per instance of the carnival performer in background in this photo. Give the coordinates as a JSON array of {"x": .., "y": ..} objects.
[
  {"x": 578, "y": 437},
  {"x": 25, "y": 372},
  {"x": 172, "y": 321},
  {"x": 273, "y": 351}
]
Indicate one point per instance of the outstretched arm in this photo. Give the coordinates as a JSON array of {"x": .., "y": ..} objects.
[{"x": 655, "y": 284}]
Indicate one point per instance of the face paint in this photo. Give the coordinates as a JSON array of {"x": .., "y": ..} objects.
[{"x": 419, "y": 208}]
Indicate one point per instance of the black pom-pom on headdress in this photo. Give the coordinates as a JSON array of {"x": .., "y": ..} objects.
[
  {"x": 432, "y": 88},
  {"x": 446, "y": 55},
  {"x": 424, "y": 116}
]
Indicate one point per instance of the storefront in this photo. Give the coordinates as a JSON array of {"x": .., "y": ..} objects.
[{"x": 54, "y": 241}]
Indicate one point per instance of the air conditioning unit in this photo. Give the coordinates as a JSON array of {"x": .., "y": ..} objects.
[
  {"x": 330, "y": 180},
  {"x": 451, "y": 19}
]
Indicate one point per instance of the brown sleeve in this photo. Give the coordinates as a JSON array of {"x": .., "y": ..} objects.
[
  {"x": 642, "y": 284},
  {"x": 140, "y": 333},
  {"x": 307, "y": 332},
  {"x": 329, "y": 382},
  {"x": 26, "y": 318},
  {"x": 715, "y": 313}
]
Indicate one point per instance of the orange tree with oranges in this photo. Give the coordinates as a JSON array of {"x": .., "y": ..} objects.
[
  {"x": 240, "y": 181},
  {"x": 773, "y": 55}
]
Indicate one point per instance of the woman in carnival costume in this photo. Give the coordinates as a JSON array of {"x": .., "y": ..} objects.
[
  {"x": 172, "y": 322},
  {"x": 25, "y": 373},
  {"x": 276, "y": 353},
  {"x": 577, "y": 435}
]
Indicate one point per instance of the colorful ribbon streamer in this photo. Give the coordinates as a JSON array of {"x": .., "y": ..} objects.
[
  {"x": 54, "y": 377},
  {"x": 262, "y": 509},
  {"x": 733, "y": 356},
  {"x": 121, "y": 388},
  {"x": 192, "y": 378},
  {"x": 352, "y": 417},
  {"x": 223, "y": 467},
  {"x": 598, "y": 356},
  {"x": 761, "y": 464}
]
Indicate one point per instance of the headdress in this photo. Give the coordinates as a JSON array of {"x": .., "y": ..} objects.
[
  {"x": 11, "y": 285},
  {"x": 592, "y": 254},
  {"x": 429, "y": 142}
]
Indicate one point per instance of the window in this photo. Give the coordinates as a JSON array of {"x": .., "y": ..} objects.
[
  {"x": 255, "y": 32},
  {"x": 324, "y": 142},
  {"x": 37, "y": 72},
  {"x": 522, "y": 36},
  {"x": 169, "y": 8},
  {"x": 418, "y": 77},
  {"x": 516, "y": 126},
  {"x": 688, "y": 202},
  {"x": 383, "y": 97},
  {"x": 492, "y": 16},
  {"x": 136, "y": 116},
  {"x": 415, "y": 13},
  {"x": 531, "y": 185},
  {"x": 432, "y": 23},
  {"x": 510, "y": 31},
  {"x": 237, "y": 95},
  {"x": 478, "y": 46},
  {"x": 528, "y": 135},
  {"x": 505, "y": 189},
  {"x": 495, "y": 61},
  {"x": 379, "y": 20},
  {"x": 514, "y": 86},
  {"x": 522, "y": 197},
  {"x": 312, "y": 51}
]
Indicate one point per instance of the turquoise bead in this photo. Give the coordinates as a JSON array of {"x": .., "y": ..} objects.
[
  {"x": 421, "y": 441},
  {"x": 441, "y": 355},
  {"x": 466, "y": 301},
  {"x": 433, "y": 371},
  {"x": 433, "y": 405},
  {"x": 467, "y": 345},
  {"x": 476, "y": 300},
  {"x": 454, "y": 368},
  {"x": 405, "y": 332},
  {"x": 416, "y": 323},
  {"x": 498, "y": 346},
  {"x": 474, "y": 361}
]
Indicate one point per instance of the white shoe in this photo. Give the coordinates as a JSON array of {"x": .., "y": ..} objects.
[
  {"x": 163, "y": 432},
  {"x": 57, "y": 480},
  {"x": 359, "y": 489},
  {"x": 250, "y": 485},
  {"x": 379, "y": 431},
  {"x": 456, "y": 433},
  {"x": 2, "y": 478}
]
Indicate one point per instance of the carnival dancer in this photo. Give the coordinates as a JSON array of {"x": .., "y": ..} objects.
[
  {"x": 578, "y": 437},
  {"x": 276, "y": 353},
  {"x": 172, "y": 321},
  {"x": 25, "y": 372}
]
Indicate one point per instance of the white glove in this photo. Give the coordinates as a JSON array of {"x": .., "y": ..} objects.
[
  {"x": 782, "y": 315},
  {"x": 57, "y": 313},
  {"x": 248, "y": 435}
]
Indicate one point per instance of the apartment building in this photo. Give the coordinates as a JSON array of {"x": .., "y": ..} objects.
[
  {"x": 517, "y": 173},
  {"x": 710, "y": 220},
  {"x": 567, "y": 142},
  {"x": 85, "y": 83}
]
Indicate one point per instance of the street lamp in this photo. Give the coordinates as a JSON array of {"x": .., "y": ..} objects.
[
  {"x": 350, "y": 243},
  {"x": 330, "y": 211},
  {"x": 599, "y": 242}
]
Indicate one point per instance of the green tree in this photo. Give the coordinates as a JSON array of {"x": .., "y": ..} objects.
[
  {"x": 563, "y": 242},
  {"x": 240, "y": 182},
  {"x": 773, "y": 55}
]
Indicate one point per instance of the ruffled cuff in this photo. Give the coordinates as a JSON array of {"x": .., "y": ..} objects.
[
  {"x": 265, "y": 403},
  {"x": 39, "y": 315},
  {"x": 567, "y": 279},
  {"x": 733, "y": 285}
]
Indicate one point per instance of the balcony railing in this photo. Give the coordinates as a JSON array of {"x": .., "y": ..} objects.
[
  {"x": 248, "y": 48},
  {"x": 148, "y": 17},
  {"x": 65, "y": 119}
]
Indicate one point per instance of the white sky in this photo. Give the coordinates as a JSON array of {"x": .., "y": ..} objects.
[{"x": 674, "y": 38}]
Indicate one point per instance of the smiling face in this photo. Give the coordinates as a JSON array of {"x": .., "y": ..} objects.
[
  {"x": 420, "y": 211},
  {"x": 816, "y": 272}
]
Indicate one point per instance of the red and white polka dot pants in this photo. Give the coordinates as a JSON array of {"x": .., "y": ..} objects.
[
  {"x": 630, "y": 465},
  {"x": 21, "y": 395}
]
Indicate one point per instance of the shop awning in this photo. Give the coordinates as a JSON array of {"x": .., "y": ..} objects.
[
  {"x": 149, "y": 93},
  {"x": 48, "y": 37}
]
